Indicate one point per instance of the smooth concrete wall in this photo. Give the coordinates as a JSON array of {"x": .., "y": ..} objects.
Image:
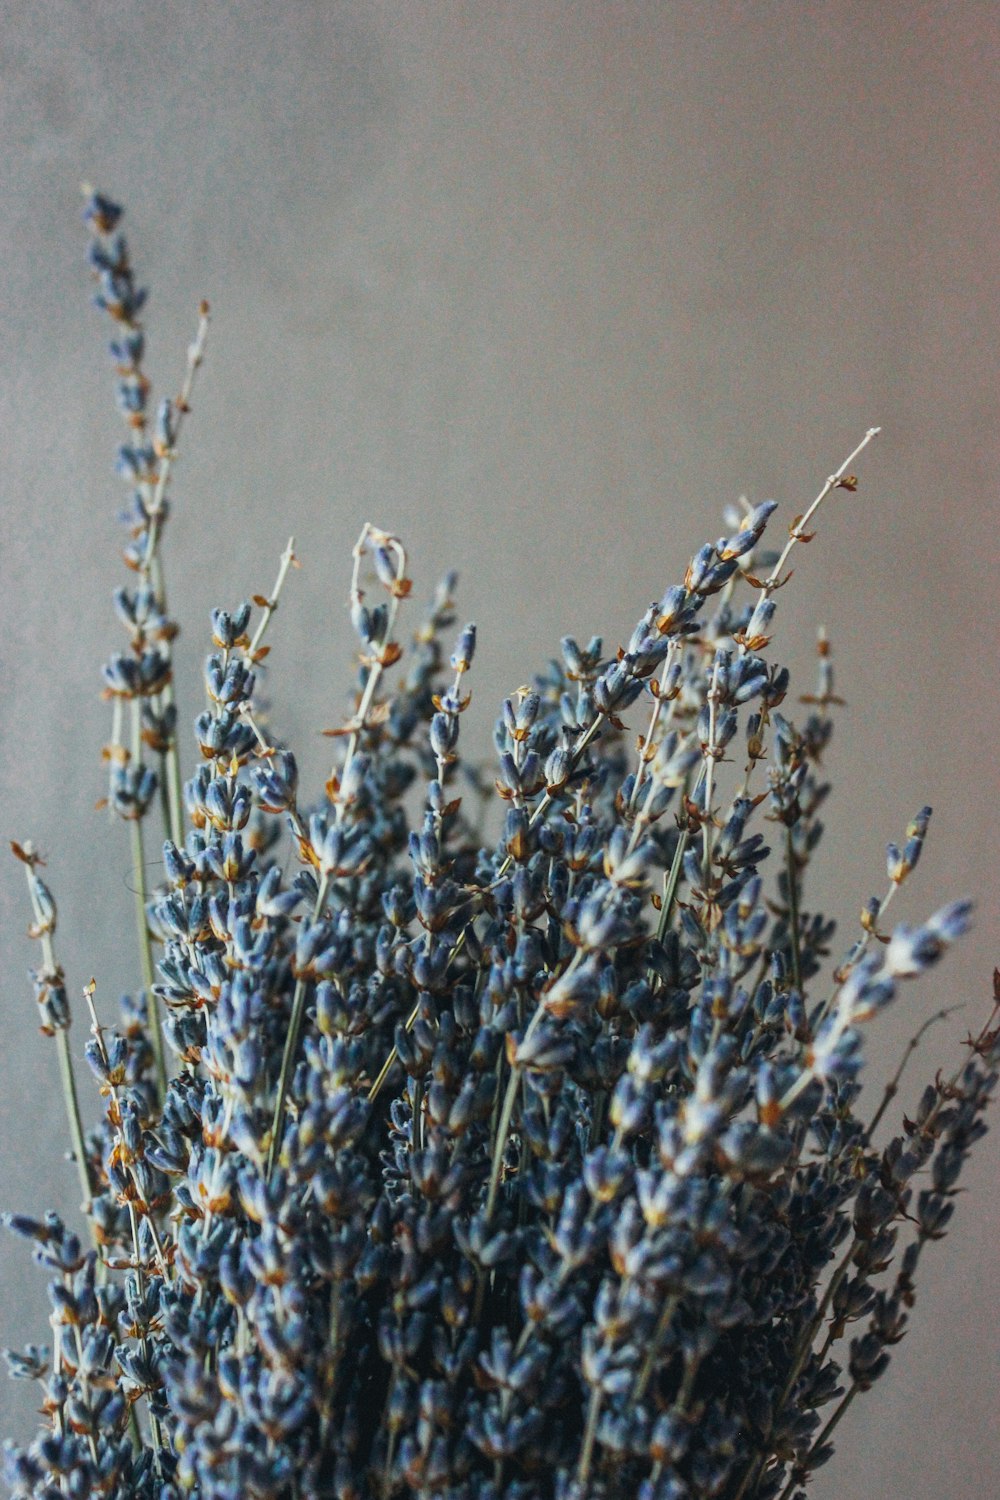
[{"x": 543, "y": 287}]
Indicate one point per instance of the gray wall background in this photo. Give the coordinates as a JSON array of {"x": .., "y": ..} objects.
[{"x": 542, "y": 287}]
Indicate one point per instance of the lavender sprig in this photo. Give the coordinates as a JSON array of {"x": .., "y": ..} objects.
[{"x": 531, "y": 1167}]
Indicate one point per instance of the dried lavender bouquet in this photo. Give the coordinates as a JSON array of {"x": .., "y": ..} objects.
[{"x": 458, "y": 1172}]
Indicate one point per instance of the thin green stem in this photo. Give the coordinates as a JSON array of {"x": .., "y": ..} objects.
[
  {"x": 170, "y": 766},
  {"x": 164, "y": 790},
  {"x": 503, "y": 1126},
  {"x": 671, "y": 881},
  {"x": 291, "y": 1045},
  {"x": 750, "y": 1475},
  {"x": 175, "y": 793},
  {"x": 859, "y": 948},
  {"x": 386, "y": 1067},
  {"x": 797, "y": 1473},
  {"x": 45, "y": 928},
  {"x": 182, "y": 406},
  {"x": 151, "y": 567},
  {"x": 589, "y": 1435},
  {"x": 75, "y": 1123},
  {"x": 710, "y": 753},
  {"x": 805, "y": 1341},
  {"x": 390, "y": 1454},
  {"x": 287, "y": 559},
  {"x": 944, "y": 1092},
  {"x": 799, "y": 530},
  {"x": 332, "y": 1365},
  {"x": 146, "y": 954},
  {"x": 653, "y": 1352},
  {"x": 81, "y": 1367},
  {"x": 799, "y": 1358},
  {"x": 793, "y": 907},
  {"x": 892, "y": 1087},
  {"x": 98, "y": 1034},
  {"x": 154, "y": 1426}
]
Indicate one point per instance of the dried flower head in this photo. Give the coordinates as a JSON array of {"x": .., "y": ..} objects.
[{"x": 452, "y": 1170}]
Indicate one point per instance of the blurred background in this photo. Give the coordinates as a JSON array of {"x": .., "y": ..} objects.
[{"x": 541, "y": 287}]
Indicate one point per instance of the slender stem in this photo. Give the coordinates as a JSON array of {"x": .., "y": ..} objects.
[
  {"x": 114, "y": 750},
  {"x": 333, "y": 1361},
  {"x": 652, "y": 1353},
  {"x": 644, "y": 815},
  {"x": 710, "y": 755},
  {"x": 798, "y": 1088},
  {"x": 98, "y": 1034},
  {"x": 597, "y": 1112},
  {"x": 291, "y": 1045},
  {"x": 81, "y": 1376},
  {"x": 840, "y": 1411},
  {"x": 805, "y": 1341},
  {"x": 196, "y": 353},
  {"x": 287, "y": 559},
  {"x": 71, "y": 1098},
  {"x": 503, "y": 1126},
  {"x": 670, "y": 887},
  {"x": 408, "y": 1025},
  {"x": 75, "y": 1124},
  {"x": 671, "y": 881},
  {"x": 589, "y": 1435},
  {"x": 387, "y": 1485},
  {"x": 154, "y": 1426},
  {"x": 640, "y": 770},
  {"x": 170, "y": 759},
  {"x": 57, "y": 1412},
  {"x": 176, "y": 793},
  {"x": 299, "y": 994},
  {"x": 648, "y": 749},
  {"x": 750, "y": 1475},
  {"x": 368, "y": 531},
  {"x": 151, "y": 567},
  {"x": 793, "y": 907},
  {"x": 859, "y": 948},
  {"x": 799, "y": 1358},
  {"x": 386, "y": 1067},
  {"x": 945, "y": 1092},
  {"x": 164, "y": 790},
  {"x": 892, "y": 1087},
  {"x": 146, "y": 954},
  {"x": 774, "y": 578}
]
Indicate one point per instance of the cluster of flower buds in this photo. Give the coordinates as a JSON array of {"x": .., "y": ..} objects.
[{"x": 435, "y": 1168}]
